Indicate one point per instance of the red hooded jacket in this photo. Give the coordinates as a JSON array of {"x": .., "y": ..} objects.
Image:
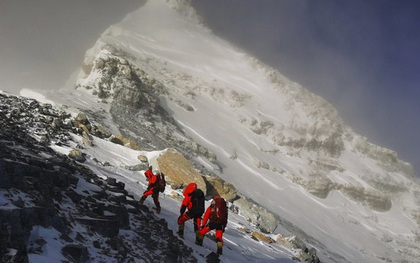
[
  {"x": 150, "y": 177},
  {"x": 208, "y": 214},
  {"x": 186, "y": 202}
]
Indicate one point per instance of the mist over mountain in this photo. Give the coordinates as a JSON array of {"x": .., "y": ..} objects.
[
  {"x": 43, "y": 42},
  {"x": 163, "y": 80},
  {"x": 354, "y": 54}
]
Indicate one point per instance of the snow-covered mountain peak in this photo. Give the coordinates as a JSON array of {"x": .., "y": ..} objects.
[
  {"x": 185, "y": 9},
  {"x": 279, "y": 144}
]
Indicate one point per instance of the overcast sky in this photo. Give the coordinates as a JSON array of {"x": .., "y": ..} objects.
[
  {"x": 43, "y": 41},
  {"x": 363, "y": 56}
]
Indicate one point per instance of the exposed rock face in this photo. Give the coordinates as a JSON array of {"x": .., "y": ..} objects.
[
  {"x": 179, "y": 170},
  {"x": 265, "y": 220},
  {"x": 320, "y": 186},
  {"x": 82, "y": 122},
  {"x": 374, "y": 199},
  {"x": 136, "y": 105},
  {"x": 378, "y": 200},
  {"x": 385, "y": 157}
]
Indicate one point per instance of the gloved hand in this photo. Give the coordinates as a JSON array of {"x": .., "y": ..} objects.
[{"x": 223, "y": 228}]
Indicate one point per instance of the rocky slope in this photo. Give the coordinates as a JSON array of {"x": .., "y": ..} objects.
[{"x": 95, "y": 219}]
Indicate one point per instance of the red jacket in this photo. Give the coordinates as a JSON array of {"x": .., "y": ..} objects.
[
  {"x": 150, "y": 177},
  {"x": 186, "y": 202},
  {"x": 208, "y": 213}
]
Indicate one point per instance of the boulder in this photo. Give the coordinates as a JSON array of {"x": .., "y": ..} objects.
[
  {"x": 217, "y": 186},
  {"x": 319, "y": 187},
  {"x": 121, "y": 140},
  {"x": 77, "y": 155},
  {"x": 81, "y": 119},
  {"x": 261, "y": 237},
  {"x": 101, "y": 132},
  {"x": 142, "y": 158},
  {"x": 296, "y": 242},
  {"x": 265, "y": 220},
  {"x": 178, "y": 170},
  {"x": 75, "y": 253}
]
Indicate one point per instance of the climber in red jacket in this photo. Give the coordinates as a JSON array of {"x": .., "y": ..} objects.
[
  {"x": 217, "y": 215},
  {"x": 194, "y": 201},
  {"x": 151, "y": 188}
]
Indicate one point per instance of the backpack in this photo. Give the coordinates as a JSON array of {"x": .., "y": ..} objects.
[
  {"x": 219, "y": 213},
  {"x": 160, "y": 182},
  {"x": 197, "y": 200}
]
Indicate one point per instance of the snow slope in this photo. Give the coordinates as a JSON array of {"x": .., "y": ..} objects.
[{"x": 254, "y": 118}]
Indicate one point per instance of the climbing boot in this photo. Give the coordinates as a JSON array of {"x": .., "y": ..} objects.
[
  {"x": 142, "y": 199},
  {"x": 199, "y": 238},
  {"x": 158, "y": 209},
  {"x": 181, "y": 230},
  {"x": 219, "y": 248}
]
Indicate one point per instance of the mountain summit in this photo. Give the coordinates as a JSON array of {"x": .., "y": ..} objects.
[{"x": 166, "y": 81}]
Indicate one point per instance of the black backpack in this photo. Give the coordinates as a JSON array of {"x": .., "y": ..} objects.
[
  {"x": 197, "y": 200},
  {"x": 160, "y": 182}
]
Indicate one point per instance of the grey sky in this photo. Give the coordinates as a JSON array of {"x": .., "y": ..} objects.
[
  {"x": 43, "y": 41},
  {"x": 362, "y": 56}
]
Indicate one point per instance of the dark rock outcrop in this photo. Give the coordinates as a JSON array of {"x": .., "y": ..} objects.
[{"x": 41, "y": 188}]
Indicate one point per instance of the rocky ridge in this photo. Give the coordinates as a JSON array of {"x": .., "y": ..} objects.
[{"x": 43, "y": 189}]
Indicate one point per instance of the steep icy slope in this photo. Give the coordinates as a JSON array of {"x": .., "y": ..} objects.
[{"x": 280, "y": 145}]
